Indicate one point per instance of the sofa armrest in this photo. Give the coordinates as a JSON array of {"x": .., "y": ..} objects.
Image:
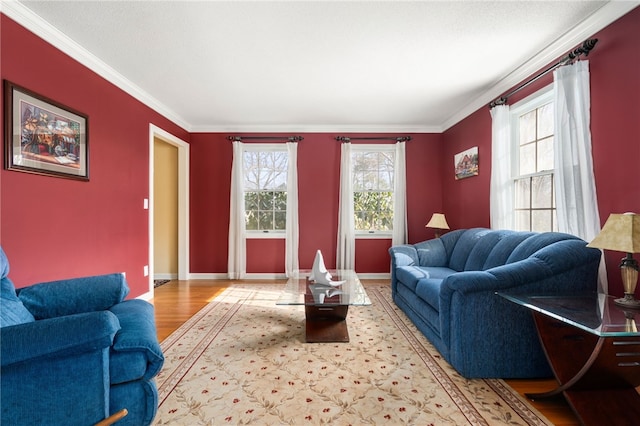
[
  {"x": 138, "y": 333},
  {"x": 74, "y": 296},
  {"x": 39, "y": 340},
  {"x": 403, "y": 255}
]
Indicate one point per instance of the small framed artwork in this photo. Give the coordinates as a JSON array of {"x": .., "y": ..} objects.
[
  {"x": 43, "y": 136},
  {"x": 466, "y": 163}
]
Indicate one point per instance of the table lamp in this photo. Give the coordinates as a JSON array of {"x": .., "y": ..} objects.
[
  {"x": 621, "y": 232},
  {"x": 437, "y": 222}
]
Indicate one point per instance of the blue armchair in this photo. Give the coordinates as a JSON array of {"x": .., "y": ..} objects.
[{"x": 74, "y": 352}]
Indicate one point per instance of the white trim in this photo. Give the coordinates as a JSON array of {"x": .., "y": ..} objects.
[
  {"x": 268, "y": 235},
  {"x": 375, "y": 276},
  {"x": 146, "y": 296},
  {"x": 316, "y": 128},
  {"x": 183, "y": 200},
  {"x": 375, "y": 235}
]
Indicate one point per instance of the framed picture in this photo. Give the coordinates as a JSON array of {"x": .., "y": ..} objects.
[
  {"x": 466, "y": 163},
  {"x": 43, "y": 136}
]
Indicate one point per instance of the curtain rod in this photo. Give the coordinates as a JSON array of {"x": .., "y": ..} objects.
[
  {"x": 586, "y": 47},
  {"x": 286, "y": 138},
  {"x": 381, "y": 138}
]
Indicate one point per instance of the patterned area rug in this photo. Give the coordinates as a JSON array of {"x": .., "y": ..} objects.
[{"x": 242, "y": 360}]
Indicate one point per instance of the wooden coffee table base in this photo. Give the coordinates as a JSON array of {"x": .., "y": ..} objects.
[{"x": 326, "y": 324}]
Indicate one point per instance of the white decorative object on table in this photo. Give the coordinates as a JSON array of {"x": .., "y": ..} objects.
[{"x": 319, "y": 273}]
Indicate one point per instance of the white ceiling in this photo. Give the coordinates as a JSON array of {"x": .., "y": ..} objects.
[{"x": 378, "y": 66}]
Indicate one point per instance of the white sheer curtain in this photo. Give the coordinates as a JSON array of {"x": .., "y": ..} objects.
[
  {"x": 501, "y": 187},
  {"x": 400, "y": 195},
  {"x": 237, "y": 263},
  {"x": 345, "y": 253},
  {"x": 576, "y": 200},
  {"x": 292, "y": 238}
]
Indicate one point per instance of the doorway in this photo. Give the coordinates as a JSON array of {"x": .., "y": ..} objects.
[{"x": 177, "y": 215}]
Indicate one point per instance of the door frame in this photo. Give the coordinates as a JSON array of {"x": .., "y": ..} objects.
[{"x": 156, "y": 132}]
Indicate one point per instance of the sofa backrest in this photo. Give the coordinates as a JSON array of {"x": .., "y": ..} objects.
[{"x": 480, "y": 249}]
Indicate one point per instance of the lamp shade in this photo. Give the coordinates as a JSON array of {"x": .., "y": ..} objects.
[
  {"x": 437, "y": 221},
  {"x": 621, "y": 232}
]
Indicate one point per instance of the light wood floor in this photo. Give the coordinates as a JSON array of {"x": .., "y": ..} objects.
[{"x": 176, "y": 301}]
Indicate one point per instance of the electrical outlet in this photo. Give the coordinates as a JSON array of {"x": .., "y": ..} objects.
[
  {"x": 146, "y": 270},
  {"x": 145, "y": 204}
]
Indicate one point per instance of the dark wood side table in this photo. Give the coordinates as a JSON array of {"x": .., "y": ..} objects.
[{"x": 593, "y": 347}]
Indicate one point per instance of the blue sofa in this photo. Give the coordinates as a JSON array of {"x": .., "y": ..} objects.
[
  {"x": 447, "y": 287},
  {"x": 73, "y": 352}
]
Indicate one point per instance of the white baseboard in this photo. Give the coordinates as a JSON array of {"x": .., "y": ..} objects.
[{"x": 375, "y": 276}]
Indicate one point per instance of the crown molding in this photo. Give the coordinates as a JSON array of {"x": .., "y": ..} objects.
[
  {"x": 319, "y": 128},
  {"x": 34, "y": 23},
  {"x": 601, "y": 18}
]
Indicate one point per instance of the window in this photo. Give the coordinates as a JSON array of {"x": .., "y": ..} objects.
[
  {"x": 373, "y": 183},
  {"x": 534, "y": 192},
  {"x": 265, "y": 188}
]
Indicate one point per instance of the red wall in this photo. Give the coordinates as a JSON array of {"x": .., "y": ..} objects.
[
  {"x": 318, "y": 186},
  {"x": 615, "y": 133},
  {"x": 54, "y": 228}
]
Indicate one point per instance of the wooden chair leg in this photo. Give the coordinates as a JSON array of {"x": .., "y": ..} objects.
[{"x": 113, "y": 418}]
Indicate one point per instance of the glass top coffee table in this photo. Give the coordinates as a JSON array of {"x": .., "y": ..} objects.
[
  {"x": 593, "y": 347},
  {"x": 325, "y": 306}
]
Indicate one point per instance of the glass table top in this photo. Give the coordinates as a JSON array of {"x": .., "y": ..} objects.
[
  {"x": 300, "y": 291},
  {"x": 592, "y": 312}
]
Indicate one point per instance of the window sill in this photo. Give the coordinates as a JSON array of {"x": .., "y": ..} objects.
[
  {"x": 266, "y": 235},
  {"x": 374, "y": 236}
]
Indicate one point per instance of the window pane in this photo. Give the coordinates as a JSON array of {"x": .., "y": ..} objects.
[
  {"x": 527, "y": 159},
  {"x": 522, "y": 193},
  {"x": 541, "y": 220},
  {"x": 541, "y": 189},
  {"x": 385, "y": 180},
  {"x": 522, "y": 219},
  {"x": 527, "y": 127},
  {"x": 280, "y": 201},
  {"x": 251, "y": 220},
  {"x": 265, "y": 220},
  {"x": 545, "y": 121},
  {"x": 251, "y": 201},
  {"x": 280, "y": 219},
  {"x": 266, "y": 201},
  {"x": 545, "y": 155}
]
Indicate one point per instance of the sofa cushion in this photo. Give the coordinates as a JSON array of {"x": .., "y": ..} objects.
[
  {"x": 432, "y": 253},
  {"x": 410, "y": 275},
  {"x": 428, "y": 289},
  {"x": 12, "y": 310},
  {"x": 536, "y": 242},
  {"x": 464, "y": 246},
  {"x": 74, "y": 296},
  {"x": 503, "y": 249}
]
